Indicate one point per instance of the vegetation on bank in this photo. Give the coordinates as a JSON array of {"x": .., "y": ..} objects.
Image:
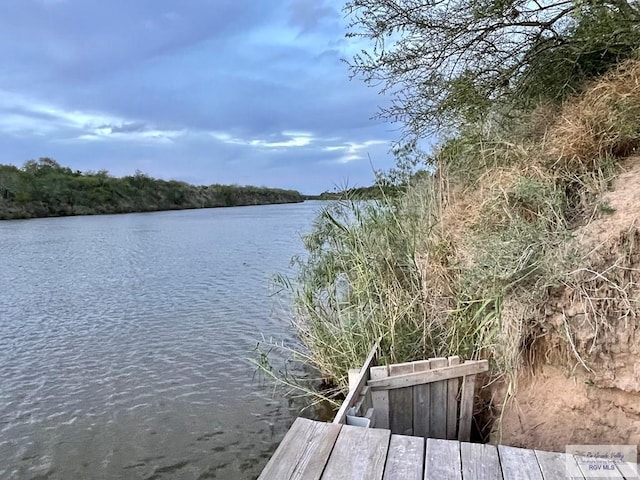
[
  {"x": 466, "y": 258},
  {"x": 44, "y": 188}
]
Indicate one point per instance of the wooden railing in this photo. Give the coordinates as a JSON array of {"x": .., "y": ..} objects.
[
  {"x": 428, "y": 398},
  {"x": 358, "y": 399}
]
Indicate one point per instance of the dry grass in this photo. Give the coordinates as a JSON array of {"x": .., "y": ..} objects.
[{"x": 602, "y": 121}]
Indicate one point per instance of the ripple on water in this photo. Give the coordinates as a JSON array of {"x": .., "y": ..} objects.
[{"x": 124, "y": 339}]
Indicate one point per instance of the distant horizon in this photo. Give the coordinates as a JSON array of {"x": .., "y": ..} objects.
[{"x": 250, "y": 93}]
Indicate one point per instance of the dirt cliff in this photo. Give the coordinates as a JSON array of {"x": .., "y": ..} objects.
[{"x": 583, "y": 386}]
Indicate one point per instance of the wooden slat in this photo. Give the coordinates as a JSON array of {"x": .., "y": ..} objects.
[
  {"x": 359, "y": 453},
  {"x": 303, "y": 452},
  {"x": 479, "y": 462},
  {"x": 438, "y": 403},
  {"x": 452, "y": 402},
  {"x": 405, "y": 459},
  {"x": 353, "y": 394},
  {"x": 519, "y": 463},
  {"x": 433, "y": 375},
  {"x": 354, "y": 376},
  {"x": 421, "y": 402},
  {"x": 630, "y": 471},
  {"x": 401, "y": 402},
  {"x": 558, "y": 466},
  {"x": 442, "y": 460},
  {"x": 467, "y": 398},
  {"x": 380, "y": 398}
]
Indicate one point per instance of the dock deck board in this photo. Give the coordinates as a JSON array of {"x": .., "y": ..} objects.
[
  {"x": 359, "y": 453},
  {"x": 519, "y": 464},
  {"x": 304, "y": 451},
  {"x": 315, "y": 450},
  {"x": 480, "y": 462},
  {"x": 442, "y": 460},
  {"x": 405, "y": 459},
  {"x": 558, "y": 466}
]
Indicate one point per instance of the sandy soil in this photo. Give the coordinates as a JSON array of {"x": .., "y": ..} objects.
[
  {"x": 552, "y": 410},
  {"x": 600, "y": 404}
]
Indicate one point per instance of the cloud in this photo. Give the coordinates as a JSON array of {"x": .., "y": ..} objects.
[
  {"x": 127, "y": 127},
  {"x": 307, "y": 14},
  {"x": 232, "y": 90},
  {"x": 354, "y": 151}
]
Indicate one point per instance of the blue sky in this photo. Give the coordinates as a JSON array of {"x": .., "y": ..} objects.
[{"x": 206, "y": 91}]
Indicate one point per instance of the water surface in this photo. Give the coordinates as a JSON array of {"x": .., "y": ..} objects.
[{"x": 124, "y": 339}]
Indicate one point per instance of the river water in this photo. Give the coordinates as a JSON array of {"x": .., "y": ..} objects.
[{"x": 124, "y": 342}]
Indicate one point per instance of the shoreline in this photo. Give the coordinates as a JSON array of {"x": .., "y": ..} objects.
[{"x": 92, "y": 214}]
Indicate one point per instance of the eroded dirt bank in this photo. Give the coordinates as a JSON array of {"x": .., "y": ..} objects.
[{"x": 584, "y": 382}]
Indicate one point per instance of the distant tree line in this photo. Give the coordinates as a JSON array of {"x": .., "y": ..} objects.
[
  {"x": 44, "y": 188},
  {"x": 372, "y": 192}
]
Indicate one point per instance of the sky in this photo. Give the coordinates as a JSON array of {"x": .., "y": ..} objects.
[{"x": 249, "y": 92}]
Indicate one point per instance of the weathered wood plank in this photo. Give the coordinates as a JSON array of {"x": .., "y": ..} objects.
[
  {"x": 359, "y": 453},
  {"x": 405, "y": 459},
  {"x": 354, "y": 376},
  {"x": 557, "y": 466},
  {"x": 380, "y": 398},
  {"x": 519, "y": 463},
  {"x": 452, "y": 402},
  {"x": 630, "y": 471},
  {"x": 467, "y": 398},
  {"x": 442, "y": 460},
  {"x": 421, "y": 402},
  {"x": 480, "y": 462},
  {"x": 354, "y": 393},
  {"x": 438, "y": 403},
  {"x": 433, "y": 375},
  {"x": 401, "y": 402},
  {"x": 303, "y": 452}
]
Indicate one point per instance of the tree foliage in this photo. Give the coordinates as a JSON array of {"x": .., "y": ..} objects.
[
  {"x": 444, "y": 63},
  {"x": 44, "y": 188}
]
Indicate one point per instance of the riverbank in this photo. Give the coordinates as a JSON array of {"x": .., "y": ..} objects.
[
  {"x": 47, "y": 189},
  {"x": 520, "y": 248}
]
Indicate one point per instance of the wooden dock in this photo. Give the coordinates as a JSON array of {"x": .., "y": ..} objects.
[
  {"x": 412, "y": 421},
  {"x": 332, "y": 451}
]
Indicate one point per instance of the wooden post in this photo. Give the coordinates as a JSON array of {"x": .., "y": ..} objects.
[
  {"x": 380, "y": 398},
  {"x": 466, "y": 407},
  {"x": 452, "y": 402},
  {"x": 438, "y": 403},
  {"x": 401, "y": 403},
  {"x": 421, "y": 402},
  {"x": 352, "y": 396}
]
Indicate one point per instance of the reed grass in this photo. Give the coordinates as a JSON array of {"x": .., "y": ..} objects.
[{"x": 463, "y": 261}]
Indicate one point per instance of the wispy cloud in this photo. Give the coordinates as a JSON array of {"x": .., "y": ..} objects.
[
  {"x": 354, "y": 151},
  {"x": 22, "y": 116}
]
